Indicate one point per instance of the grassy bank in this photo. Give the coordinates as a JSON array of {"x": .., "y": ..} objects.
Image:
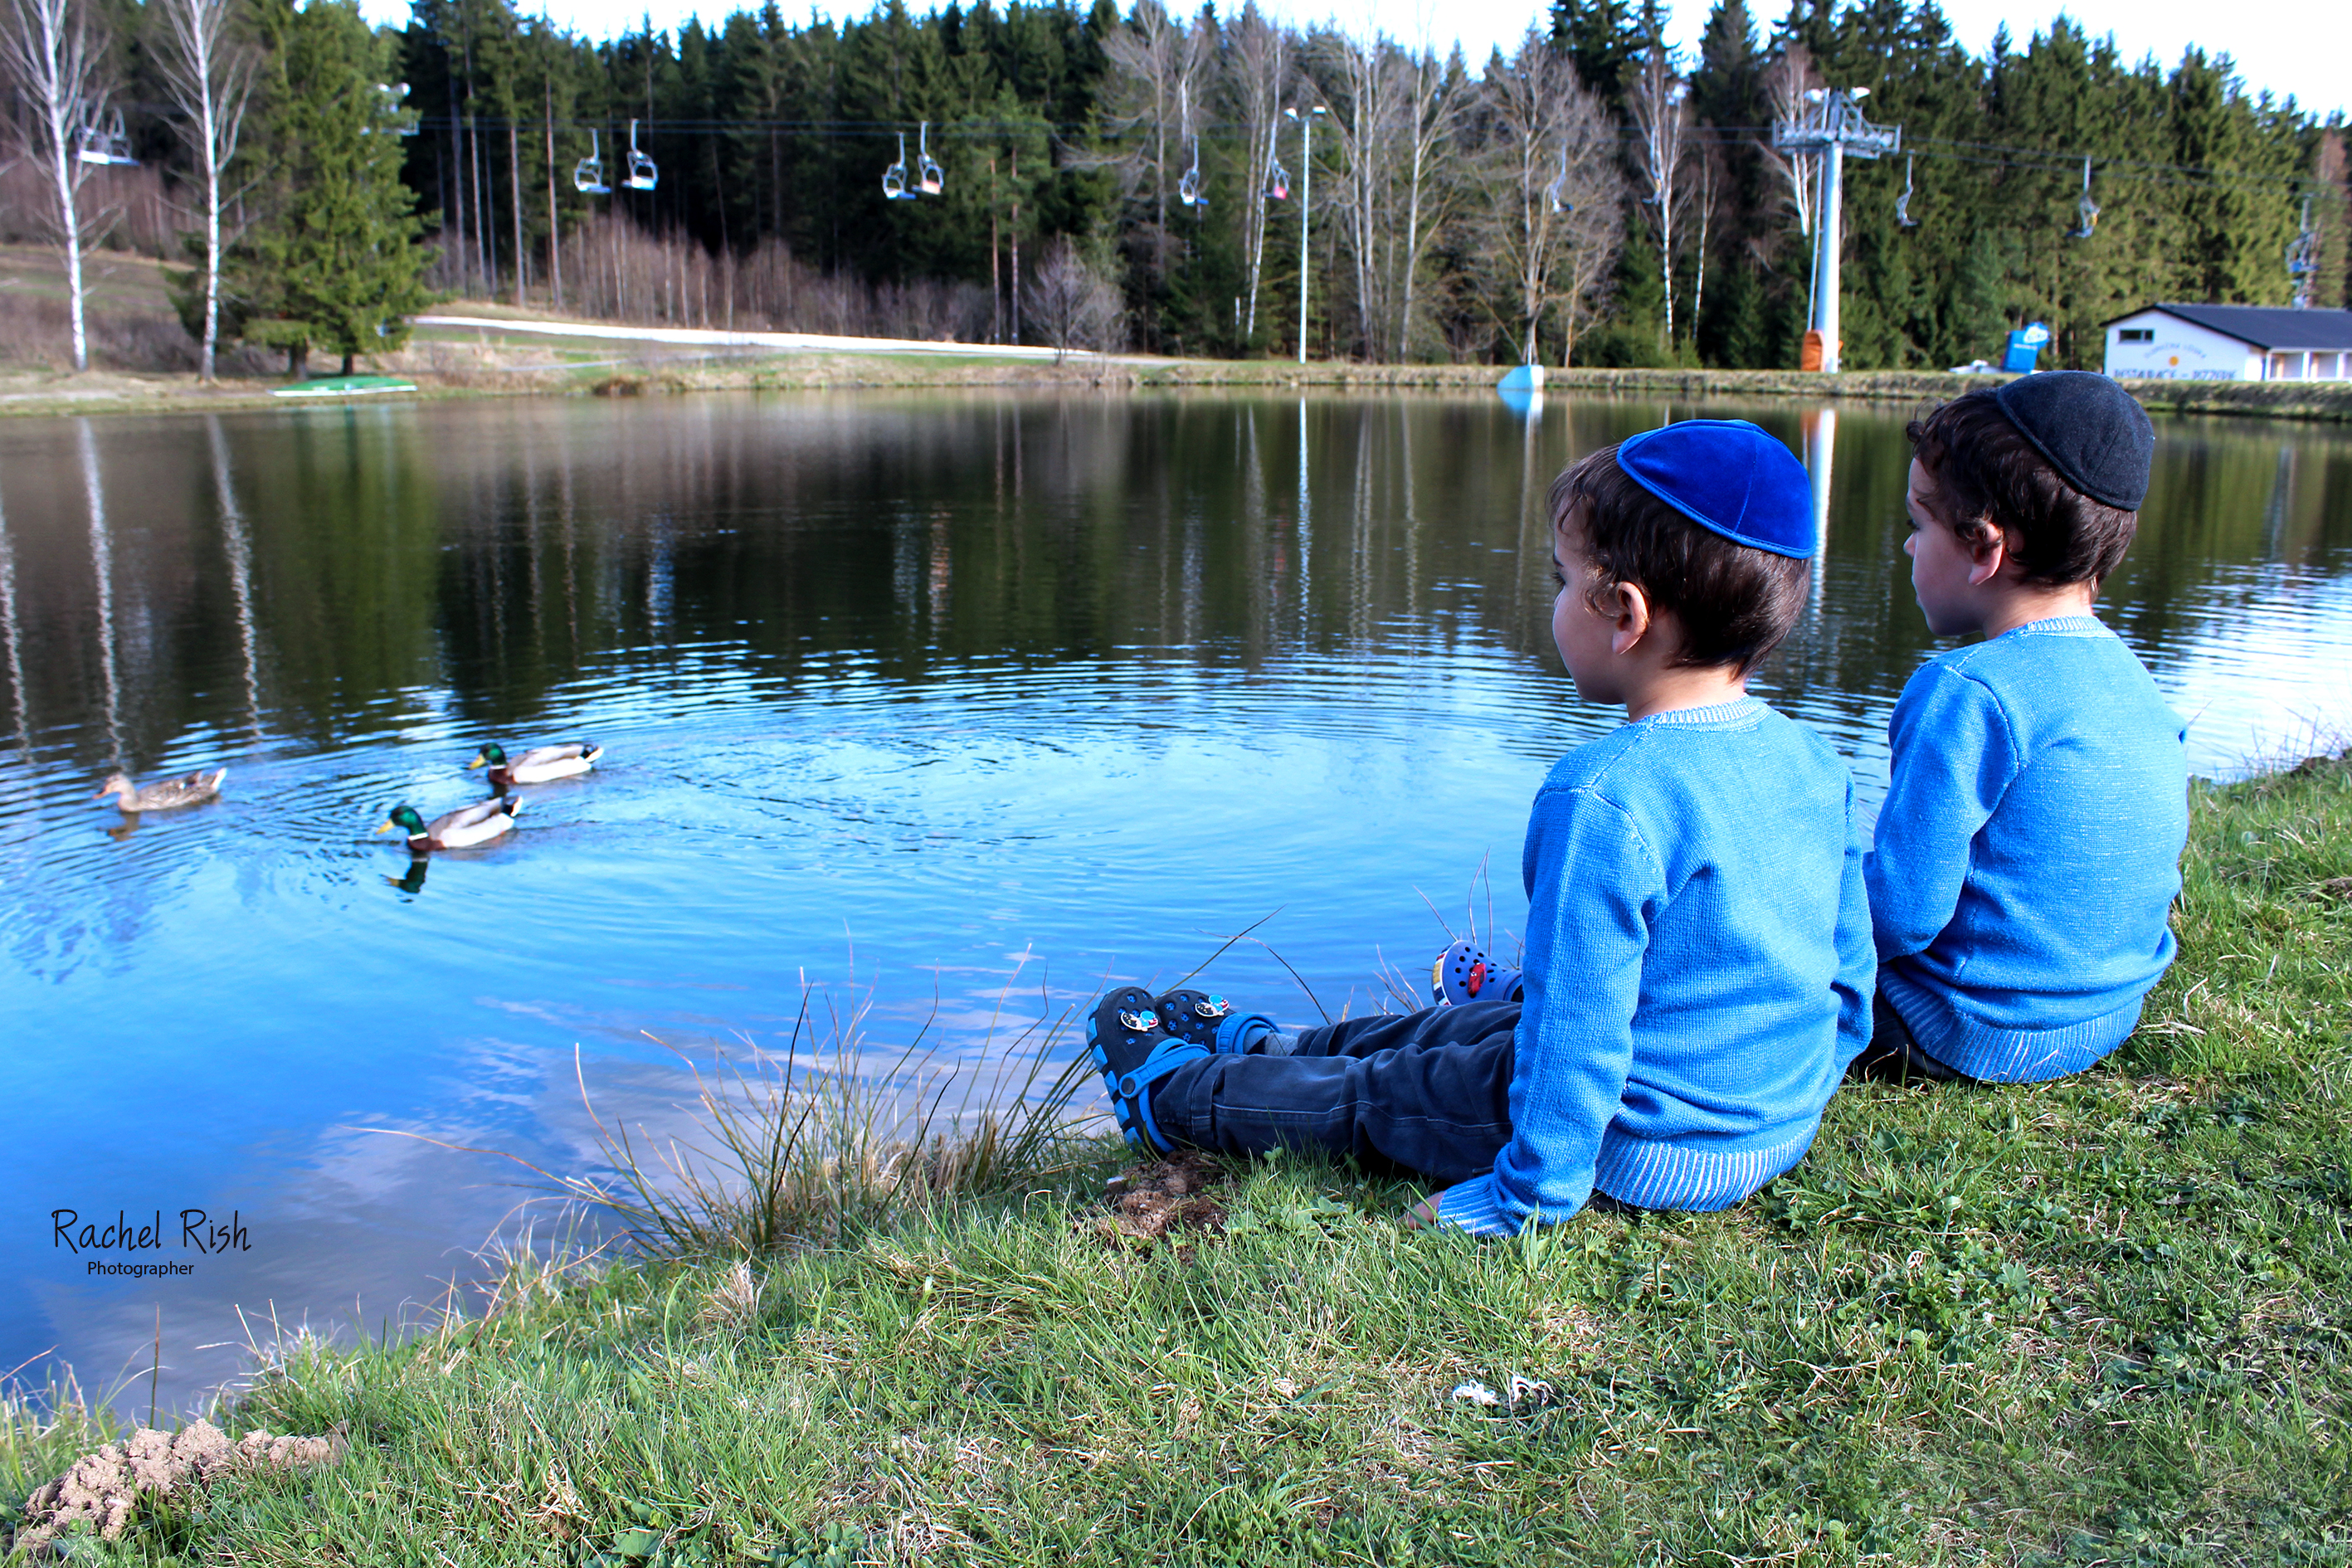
[{"x": 2107, "y": 1319}]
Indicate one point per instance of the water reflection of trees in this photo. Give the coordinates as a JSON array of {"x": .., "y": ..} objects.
[{"x": 303, "y": 574}]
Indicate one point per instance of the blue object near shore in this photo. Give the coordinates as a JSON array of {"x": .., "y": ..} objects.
[{"x": 2026, "y": 346}]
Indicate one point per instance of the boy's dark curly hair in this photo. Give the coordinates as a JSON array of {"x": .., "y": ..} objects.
[
  {"x": 1984, "y": 475},
  {"x": 1732, "y": 603}
]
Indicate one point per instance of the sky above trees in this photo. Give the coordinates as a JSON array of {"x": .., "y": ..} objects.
[{"x": 2297, "y": 46}]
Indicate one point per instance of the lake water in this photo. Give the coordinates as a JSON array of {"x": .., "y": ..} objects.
[{"x": 922, "y": 698}]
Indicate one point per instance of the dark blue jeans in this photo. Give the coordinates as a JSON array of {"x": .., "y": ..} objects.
[{"x": 1427, "y": 1093}]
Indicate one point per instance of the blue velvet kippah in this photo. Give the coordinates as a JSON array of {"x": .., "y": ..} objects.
[
  {"x": 1728, "y": 477},
  {"x": 2094, "y": 433}
]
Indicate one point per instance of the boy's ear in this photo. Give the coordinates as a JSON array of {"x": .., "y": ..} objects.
[
  {"x": 1987, "y": 555},
  {"x": 1633, "y": 616}
]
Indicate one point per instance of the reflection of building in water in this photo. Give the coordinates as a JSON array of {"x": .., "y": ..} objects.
[{"x": 1820, "y": 426}]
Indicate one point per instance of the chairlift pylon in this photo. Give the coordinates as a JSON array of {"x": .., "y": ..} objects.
[
  {"x": 643, "y": 176},
  {"x": 929, "y": 178},
  {"x": 109, "y": 143},
  {"x": 588, "y": 175},
  {"x": 894, "y": 178},
  {"x": 1903, "y": 218},
  {"x": 2089, "y": 208},
  {"x": 2303, "y": 259}
]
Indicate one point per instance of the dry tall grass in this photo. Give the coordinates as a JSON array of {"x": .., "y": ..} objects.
[{"x": 790, "y": 1144}]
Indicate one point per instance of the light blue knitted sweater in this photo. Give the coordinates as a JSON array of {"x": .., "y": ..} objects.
[
  {"x": 2028, "y": 850},
  {"x": 1698, "y": 968}
]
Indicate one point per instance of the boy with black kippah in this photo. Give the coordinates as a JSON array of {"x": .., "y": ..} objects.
[
  {"x": 1699, "y": 963},
  {"x": 2029, "y": 849}
]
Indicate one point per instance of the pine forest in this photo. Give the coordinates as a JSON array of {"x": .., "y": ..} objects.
[{"x": 1049, "y": 174}]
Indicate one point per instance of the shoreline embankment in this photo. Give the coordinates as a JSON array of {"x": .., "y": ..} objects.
[{"x": 492, "y": 351}]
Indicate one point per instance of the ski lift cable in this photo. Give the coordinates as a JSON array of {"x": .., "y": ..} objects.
[
  {"x": 2116, "y": 172},
  {"x": 2023, "y": 158}
]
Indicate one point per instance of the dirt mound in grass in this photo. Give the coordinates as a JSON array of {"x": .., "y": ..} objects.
[
  {"x": 1152, "y": 1202},
  {"x": 104, "y": 1490}
]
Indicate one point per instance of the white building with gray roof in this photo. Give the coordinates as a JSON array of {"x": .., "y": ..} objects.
[{"x": 2230, "y": 343}]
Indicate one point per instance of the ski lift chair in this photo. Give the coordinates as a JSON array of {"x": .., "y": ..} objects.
[
  {"x": 1188, "y": 187},
  {"x": 107, "y": 144},
  {"x": 643, "y": 176},
  {"x": 1903, "y": 218},
  {"x": 2089, "y": 208},
  {"x": 929, "y": 177},
  {"x": 1277, "y": 182},
  {"x": 1555, "y": 194},
  {"x": 894, "y": 178},
  {"x": 395, "y": 108},
  {"x": 588, "y": 175}
]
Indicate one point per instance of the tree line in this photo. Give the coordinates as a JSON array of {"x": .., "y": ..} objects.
[{"x": 1212, "y": 184}]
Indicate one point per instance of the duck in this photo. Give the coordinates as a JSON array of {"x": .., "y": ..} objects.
[
  {"x": 164, "y": 794},
  {"x": 538, "y": 765},
  {"x": 460, "y": 829}
]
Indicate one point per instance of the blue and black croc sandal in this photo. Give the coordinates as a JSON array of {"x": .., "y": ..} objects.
[
  {"x": 1463, "y": 973},
  {"x": 1134, "y": 1053},
  {"x": 1209, "y": 1020}
]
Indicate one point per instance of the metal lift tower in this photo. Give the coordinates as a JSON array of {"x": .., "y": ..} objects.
[{"x": 1831, "y": 124}]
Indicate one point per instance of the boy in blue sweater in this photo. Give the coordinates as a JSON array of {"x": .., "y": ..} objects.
[
  {"x": 2028, "y": 850},
  {"x": 1698, "y": 962}
]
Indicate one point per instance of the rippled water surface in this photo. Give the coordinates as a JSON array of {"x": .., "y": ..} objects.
[{"x": 919, "y": 697}]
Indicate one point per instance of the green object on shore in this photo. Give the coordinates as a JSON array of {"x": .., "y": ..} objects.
[{"x": 344, "y": 386}]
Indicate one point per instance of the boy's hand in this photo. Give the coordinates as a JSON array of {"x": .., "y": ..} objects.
[{"x": 1422, "y": 1216}]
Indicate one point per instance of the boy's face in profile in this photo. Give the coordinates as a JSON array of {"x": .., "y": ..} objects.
[
  {"x": 1944, "y": 572},
  {"x": 1583, "y": 634}
]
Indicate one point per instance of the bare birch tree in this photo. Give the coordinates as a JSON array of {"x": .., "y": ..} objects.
[
  {"x": 1788, "y": 82},
  {"x": 1660, "y": 102},
  {"x": 1160, "y": 65},
  {"x": 1256, "y": 49},
  {"x": 1438, "y": 96},
  {"x": 1548, "y": 171},
  {"x": 1395, "y": 113},
  {"x": 50, "y": 47},
  {"x": 210, "y": 77},
  {"x": 1367, "y": 116}
]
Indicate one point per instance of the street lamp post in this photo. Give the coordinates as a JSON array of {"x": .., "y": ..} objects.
[{"x": 1306, "y": 207}]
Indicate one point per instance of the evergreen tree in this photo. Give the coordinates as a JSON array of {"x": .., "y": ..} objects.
[{"x": 337, "y": 267}]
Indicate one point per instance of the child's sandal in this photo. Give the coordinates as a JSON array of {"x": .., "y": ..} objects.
[
  {"x": 1463, "y": 973},
  {"x": 1134, "y": 1052},
  {"x": 1211, "y": 1021}
]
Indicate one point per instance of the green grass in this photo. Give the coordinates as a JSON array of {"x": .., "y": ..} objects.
[{"x": 2105, "y": 1320}]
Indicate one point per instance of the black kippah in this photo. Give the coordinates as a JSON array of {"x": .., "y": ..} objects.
[{"x": 2093, "y": 431}]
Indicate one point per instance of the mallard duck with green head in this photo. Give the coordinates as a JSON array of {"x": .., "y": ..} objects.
[
  {"x": 540, "y": 765},
  {"x": 164, "y": 795},
  {"x": 460, "y": 829}
]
